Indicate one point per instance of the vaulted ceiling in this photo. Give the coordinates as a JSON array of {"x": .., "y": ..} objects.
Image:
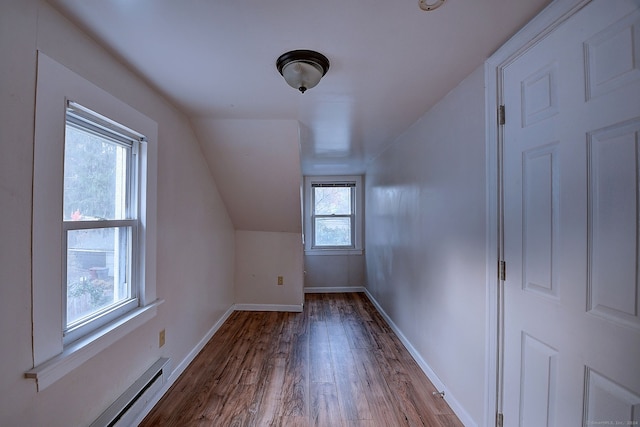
[{"x": 215, "y": 60}]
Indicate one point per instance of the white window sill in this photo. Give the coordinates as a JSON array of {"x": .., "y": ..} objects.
[
  {"x": 78, "y": 352},
  {"x": 333, "y": 251}
]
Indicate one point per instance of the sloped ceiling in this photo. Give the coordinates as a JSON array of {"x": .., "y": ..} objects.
[
  {"x": 215, "y": 59},
  {"x": 256, "y": 164}
]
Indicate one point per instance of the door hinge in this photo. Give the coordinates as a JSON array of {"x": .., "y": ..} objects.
[
  {"x": 502, "y": 270},
  {"x": 501, "y": 115},
  {"x": 499, "y": 419}
]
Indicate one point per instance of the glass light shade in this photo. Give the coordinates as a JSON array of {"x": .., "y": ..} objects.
[
  {"x": 301, "y": 74},
  {"x": 429, "y": 5}
]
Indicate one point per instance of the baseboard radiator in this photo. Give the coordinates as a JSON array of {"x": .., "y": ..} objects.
[{"x": 132, "y": 402}]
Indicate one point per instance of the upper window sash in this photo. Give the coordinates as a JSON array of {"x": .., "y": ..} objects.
[
  {"x": 89, "y": 119},
  {"x": 86, "y": 120},
  {"x": 333, "y": 184},
  {"x": 351, "y": 185},
  {"x": 102, "y": 223}
]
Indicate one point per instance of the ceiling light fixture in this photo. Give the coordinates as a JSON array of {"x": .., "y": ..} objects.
[
  {"x": 302, "y": 69},
  {"x": 430, "y": 5}
]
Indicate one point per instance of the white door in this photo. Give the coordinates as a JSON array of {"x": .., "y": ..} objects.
[{"x": 571, "y": 212}]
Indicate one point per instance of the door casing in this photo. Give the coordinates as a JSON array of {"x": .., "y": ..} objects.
[{"x": 532, "y": 33}]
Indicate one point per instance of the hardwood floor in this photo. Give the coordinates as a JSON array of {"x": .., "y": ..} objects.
[{"x": 336, "y": 364}]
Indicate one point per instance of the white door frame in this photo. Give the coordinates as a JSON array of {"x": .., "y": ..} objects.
[{"x": 550, "y": 18}]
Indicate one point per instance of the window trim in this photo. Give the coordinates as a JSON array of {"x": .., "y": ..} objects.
[
  {"x": 357, "y": 214},
  {"x": 52, "y": 357}
]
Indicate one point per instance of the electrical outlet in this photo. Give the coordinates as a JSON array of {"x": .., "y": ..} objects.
[
  {"x": 280, "y": 280},
  {"x": 161, "y": 338}
]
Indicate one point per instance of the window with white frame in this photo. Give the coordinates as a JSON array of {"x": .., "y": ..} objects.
[
  {"x": 333, "y": 222},
  {"x": 333, "y": 215},
  {"x": 100, "y": 220},
  {"x": 94, "y": 221}
]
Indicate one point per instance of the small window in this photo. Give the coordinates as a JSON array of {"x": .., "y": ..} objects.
[
  {"x": 333, "y": 215},
  {"x": 100, "y": 221}
]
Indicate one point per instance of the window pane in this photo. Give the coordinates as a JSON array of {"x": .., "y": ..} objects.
[
  {"x": 333, "y": 231},
  {"x": 332, "y": 200},
  {"x": 98, "y": 266},
  {"x": 95, "y": 176}
]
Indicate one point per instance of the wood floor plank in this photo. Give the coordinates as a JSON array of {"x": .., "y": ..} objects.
[
  {"x": 240, "y": 407},
  {"x": 287, "y": 333},
  {"x": 334, "y": 302},
  {"x": 381, "y": 401},
  {"x": 351, "y": 392},
  {"x": 449, "y": 420},
  {"x": 335, "y": 364},
  {"x": 321, "y": 366},
  {"x": 358, "y": 335},
  {"x": 228, "y": 332},
  {"x": 360, "y": 423},
  {"x": 292, "y": 422},
  {"x": 407, "y": 398},
  {"x": 325, "y": 409},
  {"x": 269, "y": 410},
  {"x": 363, "y": 307},
  {"x": 261, "y": 348},
  {"x": 316, "y": 310},
  {"x": 295, "y": 389}
]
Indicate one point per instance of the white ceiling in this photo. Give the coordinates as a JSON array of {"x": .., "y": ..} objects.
[{"x": 390, "y": 61}]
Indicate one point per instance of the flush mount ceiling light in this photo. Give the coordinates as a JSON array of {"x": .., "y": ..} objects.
[
  {"x": 302, "y": 69},
  {"x": 430, "y": 4}
]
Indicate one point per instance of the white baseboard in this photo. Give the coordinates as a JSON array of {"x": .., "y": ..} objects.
[
  {"x": 455, "y": 405},
  {"x": 296, "y": 308},
  {"x": 183, "y": 365},
  {"x": 333, "y": 289}
]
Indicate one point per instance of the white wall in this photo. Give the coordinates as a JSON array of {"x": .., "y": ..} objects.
[
  {"x": 328, "y": 271},
  {"x": 425, "y": 239},
  {"x": 260, "y": 258},
  {"x": 195, "y": 235}
]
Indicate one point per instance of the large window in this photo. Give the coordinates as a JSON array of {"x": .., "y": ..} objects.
[
  {"x": 94, "y": 221},
  {"x": 100, "y": 220},
  {"x": 333, "y": 219}
]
